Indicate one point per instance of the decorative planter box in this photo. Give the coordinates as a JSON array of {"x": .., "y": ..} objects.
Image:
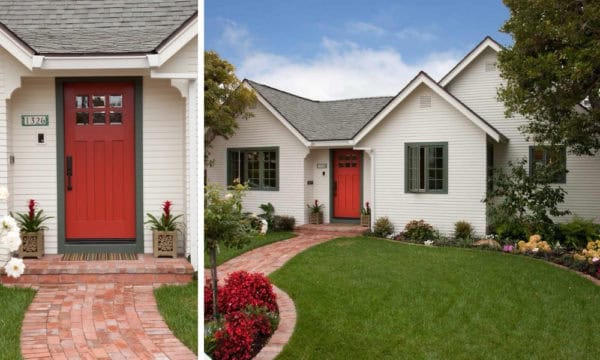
[
  {"x": 164, "y": 243},
  {"x": 365, "y": 220},
  {"x": 316, "y": 218},
  {"x": 32, "y": 244}
]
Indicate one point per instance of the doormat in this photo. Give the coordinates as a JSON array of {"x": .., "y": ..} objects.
[{"x": 99, "y": 256}]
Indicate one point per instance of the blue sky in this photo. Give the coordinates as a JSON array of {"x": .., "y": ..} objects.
[{"x": 341, "y": 49}]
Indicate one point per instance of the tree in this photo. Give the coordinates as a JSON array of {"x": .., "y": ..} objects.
[
  {"x": 553, "y": 66},
  {"x": 224, "y": 99},
  {"x": 224, "y": 224}
]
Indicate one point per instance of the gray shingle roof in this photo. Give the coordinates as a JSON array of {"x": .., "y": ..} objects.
[
  {"x": 95, "y": 27},
  {"x": 322, "y": 120}
]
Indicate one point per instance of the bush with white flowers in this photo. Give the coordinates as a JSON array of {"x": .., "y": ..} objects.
[{"x": 10, "y": 240}]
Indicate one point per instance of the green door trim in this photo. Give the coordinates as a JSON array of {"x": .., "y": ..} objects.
[
  {"x": 331, "y": 165},
  {"x": 136, "y": 246}
]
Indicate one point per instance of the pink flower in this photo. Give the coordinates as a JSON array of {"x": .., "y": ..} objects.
[
  {"x": 31, "y": 209},
  {"x": 167, "y": 208}
]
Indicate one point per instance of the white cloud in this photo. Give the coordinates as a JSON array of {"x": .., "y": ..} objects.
[
  {"x": 363, "y": 27},
  {"x": 414, "y": 34},
  {"x": 342, "y": 70},
  {"x": 236, "y": 36}
]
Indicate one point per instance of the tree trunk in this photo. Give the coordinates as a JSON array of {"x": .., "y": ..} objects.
[{"x": 213, "y": 274}]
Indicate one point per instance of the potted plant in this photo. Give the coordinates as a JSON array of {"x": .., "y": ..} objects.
[
  {"x": 365, "y": 215},
  {"x": 32, "y": 231},
  {"x": 316, "y": 212},
  {"x": 164, "y": 231}
]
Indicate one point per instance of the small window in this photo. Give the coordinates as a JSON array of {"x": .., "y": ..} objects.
[
  {"x": 426, "y": 168},
  {"x": 99, "y": 118},
  {"x": 82, "y": 118},
  {"x": 490, "y": 66},
  {"x": 259, "y": 168},
  {"x": 98, "y": 101},
  {"x": 553, "y": 159},
  {"x": 81, "y": 101},
  {"x": 115, "y": 118},
  {"x": 115, "y": 101}
]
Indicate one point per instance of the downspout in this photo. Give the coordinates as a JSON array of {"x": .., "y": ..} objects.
[{"x": 371, "y": 153}]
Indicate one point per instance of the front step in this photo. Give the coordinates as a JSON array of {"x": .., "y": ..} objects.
[
  {"x": 349, "y": 229},
  {"x": 146, "y": 270}
]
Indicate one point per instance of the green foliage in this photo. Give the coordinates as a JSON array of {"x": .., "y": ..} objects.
[
  {"x": 224, "y": 222},
  {"x": 283, "y": 223},
  {"x": 225, "y": 99},
  {"x": 463, "y": 230},
  {"x": 383, "y": 227},
  {"x": 31, "y": 224},
  {"x": 268, "y": 213},
  {"x": 525, "y": 202},
  {"x": 166, "y": 222},
  {"x": 316, "y": 207},
  {"x": 418, "y": 231},
  {"x": 553, "y": 66},
  {"x": 178, "y": 306},
  {"x": 578, "y": 232}
]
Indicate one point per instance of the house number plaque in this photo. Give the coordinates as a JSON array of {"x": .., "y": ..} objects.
[{"x": 35, "y": 120}]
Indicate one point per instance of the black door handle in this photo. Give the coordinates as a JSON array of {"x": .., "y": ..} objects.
[{"x": 69, "y": 172}]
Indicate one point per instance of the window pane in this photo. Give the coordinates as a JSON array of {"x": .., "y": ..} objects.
[
  {"x": 234, "y": 167},
  {"x": 82, "y": 118},
  {"x": 422, "y": 168},
  {"x": 81, "y": 101},
  {"x": 99, "y": 118},
  {"x": 116, "y": 100},
  {"x": 115, "y": 118},
  {"x": 252, "y": 168},
  {"x": 98, "y": 101},
  {"x": 270, "y": 169}
]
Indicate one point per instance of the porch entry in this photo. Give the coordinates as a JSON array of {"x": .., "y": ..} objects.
[
  {"x": 99, "y": 171},
  {"x": 346, "y": 183}
]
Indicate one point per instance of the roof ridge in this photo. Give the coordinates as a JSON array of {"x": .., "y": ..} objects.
[{"x": 279, "y": 90}]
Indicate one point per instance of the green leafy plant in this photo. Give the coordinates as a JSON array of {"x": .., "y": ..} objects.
[
  {"x": 315, "y": 208},
  {"x": 383, "y": 227},
  {"x": 283, "y": 223},
  {"x": 268, "y": 213},
  {"x": 418, "y": 231},
  {"x": 578, "y": 232},
  {"x": 33, "y": 220},
  {"x": 166, "y": 222},
  {"x": 463, "y": 230},
  {"x": 366, "y": 210}
]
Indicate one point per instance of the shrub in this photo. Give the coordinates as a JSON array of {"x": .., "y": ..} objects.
[
  {"x": 383, "y": 227},
  {"x": 534, "y": 245},
  {"x": 418, "y": 231},
  {"x": 208, "y": 301},
  {"x": 254, "y": 221},
  {"x": 577, "y": 233},
  {"x": 283, "y": 223},
  {"x": 243, "y": 289},
  {"x": 242, "y": 336},
  {"x": 268, "y": 213},
  {"x": 463, "y": 230}
]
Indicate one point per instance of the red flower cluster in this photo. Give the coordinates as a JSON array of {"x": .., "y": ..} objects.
[
  {"x": 31, "y": 209},
  {"x": 238, "y": 338},
  {"x": 242, "y": 289},
  {"x": 167, "y": 209},
  {"x": 208, "y": 303}
]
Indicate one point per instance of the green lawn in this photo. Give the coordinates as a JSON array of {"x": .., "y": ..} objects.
[
  {"x": 256, "y": 242},
  {"x": 387, "y": 300},
  {"x": 178, "y": 305},
  {"x": 13, "y": 303}
]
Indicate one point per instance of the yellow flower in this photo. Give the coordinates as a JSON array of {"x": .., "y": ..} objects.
[{"x": 535, "y": 238}]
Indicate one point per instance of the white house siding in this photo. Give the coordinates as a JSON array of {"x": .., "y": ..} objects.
[
  {"x": 441, "y": 122},
  {"x": 184, "y": 61},
  {"x": 477, "y": 88},
  {"x": 164, "y": 150},
  {"x": 320, "y": 182},
  {"x": 264, "y": 130},
  {"x": 34, "y": 170}
]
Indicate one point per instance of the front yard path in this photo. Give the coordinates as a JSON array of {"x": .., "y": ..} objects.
[{"x": 271, "y": 257}]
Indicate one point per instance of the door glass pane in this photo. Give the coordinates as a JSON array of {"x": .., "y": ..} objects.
[
  {"x": 81, "y": 101},
  {"x": 82, "y": 118},
  {"x": 99, "y": 118},
  {"x": 116, "y": 100},
  {"x": 98, "y": 101},
  {"x": 116, "y": 118}
]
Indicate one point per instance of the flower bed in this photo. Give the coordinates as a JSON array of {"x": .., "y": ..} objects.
[{"x": 248, "y": 316}]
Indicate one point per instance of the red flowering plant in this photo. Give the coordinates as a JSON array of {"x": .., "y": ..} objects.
[
  {"x": 316, "y": 207},
  {"x": 242, "y": 336},
  {"x": 243, "y": 289},
  {"x": 32, "y": 220},
  {"x": 167, "y": 221}
]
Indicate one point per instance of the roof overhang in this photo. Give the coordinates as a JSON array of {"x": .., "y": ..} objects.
[
  {"x": 487, "y": 43},
  {"x": 33, "y": 61},
  {"x": 277, "y": 115},
  {"x": 423, "y": 79}
]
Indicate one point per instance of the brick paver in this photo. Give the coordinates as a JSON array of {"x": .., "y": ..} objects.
[
  {"x": 271, "y": 257},
  {"x": 98, "y": 321}
]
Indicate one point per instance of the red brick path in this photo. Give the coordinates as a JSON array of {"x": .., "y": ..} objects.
[{"x": 271, "y": 257}]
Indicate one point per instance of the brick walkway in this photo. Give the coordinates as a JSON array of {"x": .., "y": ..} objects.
[
  {"x": 100, "y": 309},
  {"x": 271, "y": 257}
]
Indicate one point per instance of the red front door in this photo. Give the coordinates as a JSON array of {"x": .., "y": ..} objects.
[
  {"x": 99, "y": 161},
  {"x": 346, "y": 183}
]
